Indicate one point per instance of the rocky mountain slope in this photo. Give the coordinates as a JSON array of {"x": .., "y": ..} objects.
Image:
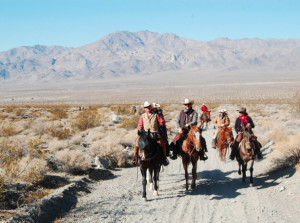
[{"x": 125, "y": 53}]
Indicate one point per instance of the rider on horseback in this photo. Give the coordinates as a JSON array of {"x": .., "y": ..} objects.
[
  {"x": 203, "y": 110},
  {"x": 241, "y": 122},
  {"x": 185, "y": 119},
  {"x": 220, "y": 121},
  {"x": 150, "y": 121}
]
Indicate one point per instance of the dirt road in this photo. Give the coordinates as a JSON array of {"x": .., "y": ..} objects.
[{"x": 220, "y": 196}]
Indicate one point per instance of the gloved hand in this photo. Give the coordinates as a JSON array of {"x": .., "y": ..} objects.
[
  {"x": 186, "y": 125},
  {"x": 180, "y": 130},
  {"x": 222, "y": 125},
  {"x": 248, "y": 125}
]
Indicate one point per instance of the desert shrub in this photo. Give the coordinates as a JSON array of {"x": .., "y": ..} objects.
[
  {"x": 27, "y": 124},
  {"x": 20, "y": 112},
  {"x": 10, "y": 109},
  {"x": 32, "y": 170},
  {"x": 72, "y": 161},
  {"x": 58, "y": 113},
  {"x": 278, "y": 135},
  {"x": 3, "y": 116},
  {"x": 76, "y": 139},
  {"x": 122, "y": 109},
  {"x": 286, "y": 154},
  {"x": 56, "y": 145},
  {"x": 7, "y": 130},
  {"x": 40, "y": 128},
  {"x": 130, "y": 122},
  {"x": 86, "y": 119},
  {"x": 111, "y": 151},
  {"x": 60, "y": 132}
]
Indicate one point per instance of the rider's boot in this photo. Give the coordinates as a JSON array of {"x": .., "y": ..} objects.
[
  {"x": 173, "y": 156},
  {"x": 165, "y": 161},
  {"x": 134, "y": 157},
  {"x": 202, "y": 155}
]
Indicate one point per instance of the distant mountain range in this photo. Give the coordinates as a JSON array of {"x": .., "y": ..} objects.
[{"x": 125, "y": 53}]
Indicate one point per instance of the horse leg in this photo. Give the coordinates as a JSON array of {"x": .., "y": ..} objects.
[
  {"x": 150, "y": 179},
  {"x": 155, "y": 178},
  {"x": 251, "y": 171},
  {"x": 244, "y": 168},
  {"x": 186, "y": 175},
  {"x": 144, "y": 182},
  {"x": 194, "y": 172},
  {"x": 239, "y": 172}
]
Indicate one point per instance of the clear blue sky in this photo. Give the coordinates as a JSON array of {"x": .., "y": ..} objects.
[{"x": 74, "y": 23}]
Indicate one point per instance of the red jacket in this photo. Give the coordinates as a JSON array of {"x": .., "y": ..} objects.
[{"x": 204, "y": 108}]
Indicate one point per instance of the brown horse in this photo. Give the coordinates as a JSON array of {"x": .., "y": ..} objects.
[
  {"x": 205, "y": 117},
  {"x": 190, "y": 149},
  {"x": 224, "y": 140},
  {"x": 246, "y": 155}
]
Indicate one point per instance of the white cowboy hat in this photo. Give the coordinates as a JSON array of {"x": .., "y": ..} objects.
[
  {"x": 147, "y": 104},
  {"x": 154, "y": 105},
  {"x": 223, "y": 110},
  {"x": 188, "y": 101},
  {"x": 203, "y": 104}
]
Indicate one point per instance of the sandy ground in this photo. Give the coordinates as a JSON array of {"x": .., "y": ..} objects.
[{"x": 220, "y": 195}]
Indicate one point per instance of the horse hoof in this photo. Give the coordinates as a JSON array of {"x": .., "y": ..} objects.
[
  {"x": 251, "y": 184},
  {"x": 144, "y": 199},
  {"x": 193, "y": 186},
  {"x": 239, "y": 172},
  {"x": 155, "y": 193}
]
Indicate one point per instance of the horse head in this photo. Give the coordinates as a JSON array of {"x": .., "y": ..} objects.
[
  {"x": 147, "y": 145},
  {"x": 194, "y": 137}
]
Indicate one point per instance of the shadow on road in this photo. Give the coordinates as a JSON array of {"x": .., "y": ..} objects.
[{"x": 218, "y": 185}]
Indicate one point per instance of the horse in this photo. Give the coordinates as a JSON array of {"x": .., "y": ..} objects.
[
  {"x": 190, "y": 148},
  {"x": 246, "y": 154},
  {"x": 225, "y": 138},
  {"x": 151, "y": 158},
  {"x": 205, "y": 117}
]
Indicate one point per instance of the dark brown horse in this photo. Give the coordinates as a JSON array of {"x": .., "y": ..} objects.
[
  {"x": 205, "y": 118},
  {"x": 225, "y": 138},
  {"x": 151, "y": 158},
  {"x": 190, "y": 149},
  {"x": 246, "y": 154}
]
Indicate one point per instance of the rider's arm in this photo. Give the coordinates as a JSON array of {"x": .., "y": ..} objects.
[
  {"x": 140, "y": 124},
  {"x": 178, "y": 121},
  {"x": 226, "y": 121},
  {"x": 194, "y": 120},
  {"x": 250, "y": 122}
]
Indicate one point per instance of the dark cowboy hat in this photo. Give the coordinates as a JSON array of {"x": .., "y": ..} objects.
[{"x": 243, "y": 110}]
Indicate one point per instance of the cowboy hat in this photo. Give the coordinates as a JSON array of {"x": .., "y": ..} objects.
[
  {"x": 223, "y": 110},
  {"x": 154, "y": 105},
  {"x": 188, "y": 101},
  {"x": 147, "y": 104},
  {"x": 243, "y": 110}
]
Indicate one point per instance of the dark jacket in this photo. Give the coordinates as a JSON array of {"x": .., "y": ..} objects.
[{"x": 238, "y": 126}]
